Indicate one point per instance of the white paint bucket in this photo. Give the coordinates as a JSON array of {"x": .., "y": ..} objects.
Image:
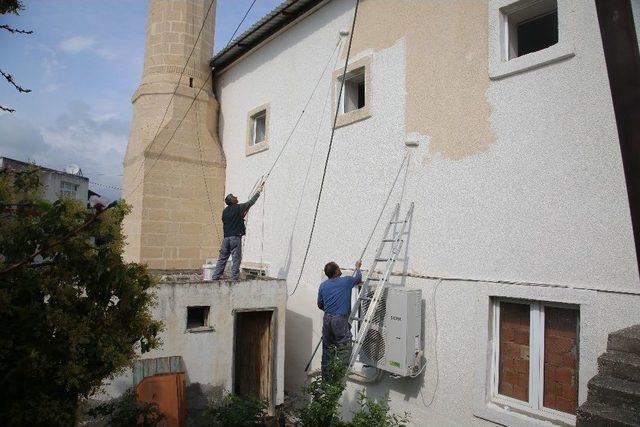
[{"x": 207, "y": 272}]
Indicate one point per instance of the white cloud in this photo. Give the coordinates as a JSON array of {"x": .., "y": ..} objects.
[
  {"x": 95, "y": 142},
  {"x": 76, "y": 44},
  {"x": 51, "y": 87},
  {"x": 79, "y": 44}
]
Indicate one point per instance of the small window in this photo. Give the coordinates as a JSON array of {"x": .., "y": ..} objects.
[
  {"x": 259, "y": 127},
  {"x": 530, "y": 28},
  {"x": 536, "y": 357},
  {"x": 197, "y": 317},
  {"x": 353, "y": 92},
  {"x": 257, "y": 130},
  {"x": 68, "y": 190}
]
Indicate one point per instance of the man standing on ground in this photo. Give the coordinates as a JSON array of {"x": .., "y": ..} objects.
[
  {"x": 233, "y": 225},
  {"x": 334, "y": 298}
]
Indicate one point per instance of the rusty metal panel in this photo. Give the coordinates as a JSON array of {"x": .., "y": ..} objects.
[{"x": 168, "y": 391}]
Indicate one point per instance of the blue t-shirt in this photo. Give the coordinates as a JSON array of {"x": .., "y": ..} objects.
[{"x": 335, "y": 294}]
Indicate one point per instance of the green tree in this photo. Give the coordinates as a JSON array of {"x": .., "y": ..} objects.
[{"x": 72, "y": 312}]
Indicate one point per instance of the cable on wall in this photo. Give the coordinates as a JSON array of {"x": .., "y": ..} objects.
[
  {"x": 326, "y": 162},
  {"x": 166, "y": 110}
]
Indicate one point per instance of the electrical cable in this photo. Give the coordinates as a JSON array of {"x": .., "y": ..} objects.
[
  {"x": 264, "y": 201},
  {"x": 176, "y": 89},
  {"x": 326, "y": 162},
  {"x": 238, "y": 27},
  {"x": 166, "y": 110},
  {"x": 204, "y": 175},
  {"x": 384, "y": 205},
  {"x": 264, "y": 177},
  {"x": 435, "y": 347}
]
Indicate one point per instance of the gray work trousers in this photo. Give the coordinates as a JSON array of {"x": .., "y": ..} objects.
[
  {"x": 231, "y": 246},
  {"x": 336, "y": 337}
]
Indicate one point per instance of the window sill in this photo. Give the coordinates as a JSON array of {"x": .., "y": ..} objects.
[
  {"x": 353, "y": 116},
  {"x": 555, "y": 53},
  {"x": 511, "y": 415},
  {"x": 257, "y": 148},
  {"x": 200, "y": 329}
]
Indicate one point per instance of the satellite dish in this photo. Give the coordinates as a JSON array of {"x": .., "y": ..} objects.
[{"x": 72, "y": 169}]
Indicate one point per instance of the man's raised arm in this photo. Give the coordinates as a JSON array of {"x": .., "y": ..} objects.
[
  {"x": 357, "y": 276},
  {"x": 246, "y": 205}
]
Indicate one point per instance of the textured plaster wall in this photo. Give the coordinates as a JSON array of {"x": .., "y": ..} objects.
[
  {"x": 208, "y": 355},
  {"x": 520, "y": 181},
  {"x": 446, "y": 42}
]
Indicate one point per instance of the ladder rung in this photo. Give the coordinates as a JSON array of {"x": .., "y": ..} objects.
[
  {"x": 375, "y": 279},
  {"x": 397, "y": 222},
  {"x": 365, "y": 299},
  {"x": 388, "y": 240},
  {"x": 382, "y": 259}
]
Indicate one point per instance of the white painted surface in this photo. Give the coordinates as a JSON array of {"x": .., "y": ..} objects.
[
  {"x": 208, "y": 354},
  {"x": 545, "y": 204}
]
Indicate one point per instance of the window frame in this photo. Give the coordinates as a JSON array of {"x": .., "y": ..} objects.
[
  {"x": 358, "y": 72},
  {"x": 206, "y": 327},
  {"x": 535, "y": 405},
  {"x": 251, "y": 147},
  {"x": 500, "y": 66},
  {"x": 67, "y": 193},
  {"x": 358, "y": 114}
]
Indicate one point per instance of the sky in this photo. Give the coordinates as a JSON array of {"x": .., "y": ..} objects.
[{"x": 82, "y": 63}]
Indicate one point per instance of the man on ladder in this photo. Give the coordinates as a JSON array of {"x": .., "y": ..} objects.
[
  {"x": 334, "y": 298},
  {"x": 234, "y": 228}
]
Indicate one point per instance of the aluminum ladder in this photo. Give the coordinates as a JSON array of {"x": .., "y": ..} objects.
[{"x": 372, "y": 289}]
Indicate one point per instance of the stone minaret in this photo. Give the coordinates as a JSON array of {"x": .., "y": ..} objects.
[{"x": 171, "y": 225}]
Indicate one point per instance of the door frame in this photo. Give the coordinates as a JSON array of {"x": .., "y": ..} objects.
[{"x": 272, "y": 345}]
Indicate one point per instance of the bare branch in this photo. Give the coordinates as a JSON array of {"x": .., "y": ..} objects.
[
  {"x": 7, "y": 109},
  {"x": 9, "y": 78},
  {"x": 14, "y": 30}
]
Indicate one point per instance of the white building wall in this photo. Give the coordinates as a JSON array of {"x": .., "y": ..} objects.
[
  {"x": 546, "y": 204},
  {"x": 208, "y": 353}
]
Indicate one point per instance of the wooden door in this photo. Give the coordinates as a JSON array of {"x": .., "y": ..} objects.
[{"x": 253, "y": 356}]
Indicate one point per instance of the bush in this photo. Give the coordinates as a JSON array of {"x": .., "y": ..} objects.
[
  {"x": 125, "y": 411},
  {"x": 324, "y": 403},
  {"x": 235, "y": 411},
  {"x": 324, "y": 395},
  {"x": 372, "y": 413}
]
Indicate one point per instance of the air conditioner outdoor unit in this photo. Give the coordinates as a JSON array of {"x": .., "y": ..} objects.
[{"x": 394, "y": 340}]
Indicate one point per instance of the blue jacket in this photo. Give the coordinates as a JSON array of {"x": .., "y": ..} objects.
[{"x": 334, "y": 295}]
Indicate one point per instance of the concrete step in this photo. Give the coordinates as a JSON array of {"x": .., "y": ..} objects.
[
  {"x": 620, "y": 365},
  {"x": 599, "y": 415},
  {"x": 625, "y": 340},
  {"x": 615, "y": 392}
]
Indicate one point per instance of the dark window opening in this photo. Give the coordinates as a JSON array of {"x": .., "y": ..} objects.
[
  {"x": 538, "y": 33},
  {"x": 353, "y": 96},
  {"x": 361, "y": 95},
  {"x": 197, "y": 317},
  {"x": 190, "y": 81}
]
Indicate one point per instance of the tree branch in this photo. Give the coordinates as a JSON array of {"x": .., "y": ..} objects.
[
  {"x": 7, "y": 109},
  {"x": 66, "y": 237},
  {"x": 9, "y": 78},
  {"x": 14, "y": 30}
]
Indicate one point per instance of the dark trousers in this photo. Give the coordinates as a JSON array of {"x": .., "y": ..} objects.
[
  {"x": 231, "y": 246},
  {"x": 336, "y": 338}
]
